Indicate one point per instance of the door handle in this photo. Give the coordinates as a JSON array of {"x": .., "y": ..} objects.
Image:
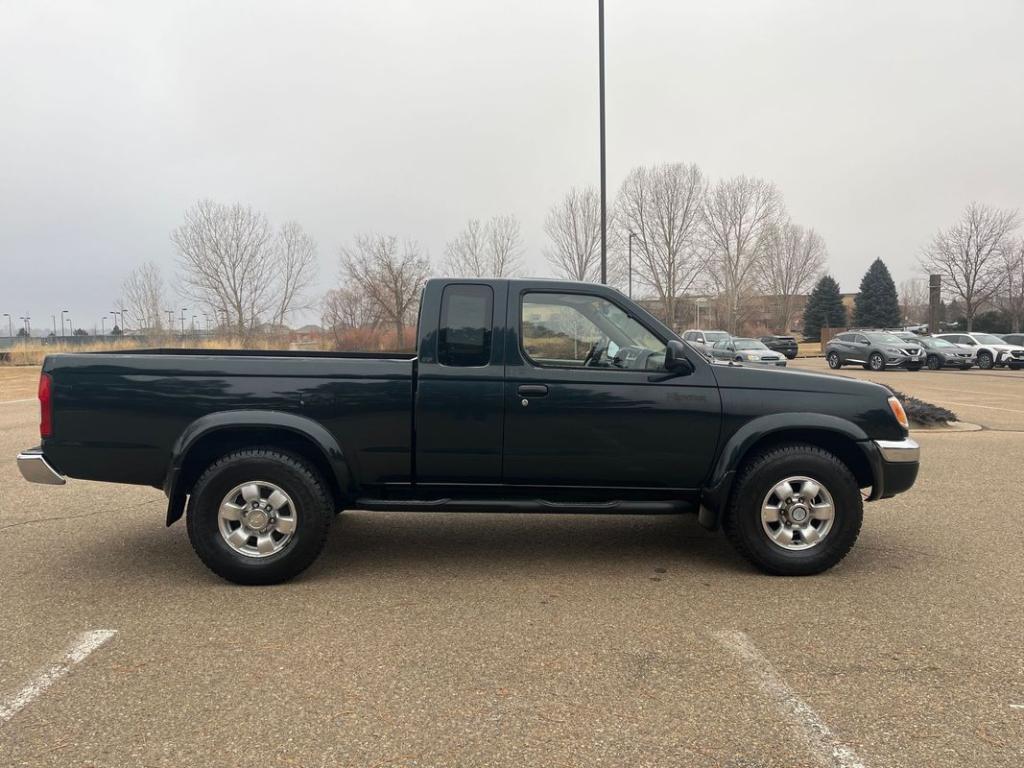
[{"x": 532, "y": 390}]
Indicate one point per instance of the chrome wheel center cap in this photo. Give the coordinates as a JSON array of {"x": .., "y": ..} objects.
[
  {"x": 798, "y": 513},
  {"x": 257, "y": 519}
]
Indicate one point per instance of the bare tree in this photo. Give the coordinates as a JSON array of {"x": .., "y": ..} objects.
[
  {"x": 661, "y": 207},
  {"x": 351, "y": 318},
  {"x": 493, "y": 249},
  {"x": 143, "y": 296},
  {"x": 295, "y": 264},
  {"x": 389, "y": 275},
  {"x": 227, "y": 259},
  {"x": 1012, "y": 299},
  {"x": 914, "y": 300},
  {"x": 740, "y": 215},
  {"x": 574, "y": 227},
  {"x": 970, "y": 256},
  {"x": 792, "y": 261}
]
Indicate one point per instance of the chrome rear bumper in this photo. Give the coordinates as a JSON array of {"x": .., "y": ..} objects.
[
  {"x": 899, "y": 450},
  {"x": 36, "y": 469}
]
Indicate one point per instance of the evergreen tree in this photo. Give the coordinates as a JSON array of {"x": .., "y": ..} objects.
[
  {"x": 877, "y": 305},
  {"x": 824, "y": 307}
]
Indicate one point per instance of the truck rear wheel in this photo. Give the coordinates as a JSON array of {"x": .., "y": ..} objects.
[
  {"x": 259, "y": 516},
  {"x": 796, "y": 511}
]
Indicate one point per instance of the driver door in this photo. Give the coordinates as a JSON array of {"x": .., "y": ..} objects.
[{"x": 610, "y": 423}]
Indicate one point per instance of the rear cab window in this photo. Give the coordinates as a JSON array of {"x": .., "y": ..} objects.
[{"x": 464, "y": 338}]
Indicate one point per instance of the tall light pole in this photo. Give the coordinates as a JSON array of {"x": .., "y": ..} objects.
[
  {"x": 62, "y": 313},
  {"x": 10, "y": 326},
  {"x": 183, "y": 310},
  {"x": 631, "y": 236},
  {"x": 123, "y": 313},
  {"x": 71, "y": 326},
  {"x": 604, "y": 190},
  {"x": 170, "y": 319},
  {"x": 118, "y": 324},
  {"x": 28, "y": 327},
  {"x": 103, "y": 324}
]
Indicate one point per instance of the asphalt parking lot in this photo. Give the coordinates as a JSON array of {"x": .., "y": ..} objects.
[{"x": 487, "y": 640}]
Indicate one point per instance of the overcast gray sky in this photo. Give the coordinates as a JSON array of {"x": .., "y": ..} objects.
[{"x": 879, "y": 121}]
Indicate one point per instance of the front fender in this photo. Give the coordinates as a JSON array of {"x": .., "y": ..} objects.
[
  {"x": 223, "y": 421},
  {"x": 717, "y": 489}
]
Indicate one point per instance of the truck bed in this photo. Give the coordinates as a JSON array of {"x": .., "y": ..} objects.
[{"x": 118, "y": 415}]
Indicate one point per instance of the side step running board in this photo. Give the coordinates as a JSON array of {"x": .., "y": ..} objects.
[{"x": 667, "y": 507}]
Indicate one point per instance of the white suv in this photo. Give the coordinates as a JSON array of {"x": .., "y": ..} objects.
[
  {"x": 705, "y": 340},
  {"x": 989, "y": 349}
]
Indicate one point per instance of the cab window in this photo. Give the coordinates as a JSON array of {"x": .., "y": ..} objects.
[
  {"x": 573, "y": 330},
  {"x": 465, "y": 330}
]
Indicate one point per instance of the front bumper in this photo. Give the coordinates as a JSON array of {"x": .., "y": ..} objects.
[
  {"x": 36, "y": 469},
  {"x": 894, "y": 466}
]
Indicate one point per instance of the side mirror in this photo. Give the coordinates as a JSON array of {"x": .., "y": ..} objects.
[{"x": 676, "y": 360}]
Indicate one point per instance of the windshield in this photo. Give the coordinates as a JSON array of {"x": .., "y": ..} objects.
[
  {"x": 713, "y": 336},
  {"x": 988, "y": 338},
  {"x": 884, "y": 338},
  {"x": 749, "y": 344},
  {"x": 938, "y": 343}
]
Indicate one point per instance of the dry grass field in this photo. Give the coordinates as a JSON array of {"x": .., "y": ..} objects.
[{"x": 18, "y": 382}]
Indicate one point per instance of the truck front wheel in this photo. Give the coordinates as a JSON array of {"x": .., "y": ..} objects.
[
  {"x": 796, "y": 511},
  {"x": 258, "y": 516}
]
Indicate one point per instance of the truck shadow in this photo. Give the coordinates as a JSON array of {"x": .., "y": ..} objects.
[{"x": 373, "y": 540}]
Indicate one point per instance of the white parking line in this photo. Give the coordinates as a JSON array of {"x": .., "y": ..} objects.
[
  {"x": 86, "y": 643},
  {"x": 822, "y": 741},
  {"x": 25, "y": 400}
]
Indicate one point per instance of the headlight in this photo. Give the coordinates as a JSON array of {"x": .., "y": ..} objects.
[
  {"x": 893, "y": 350},
  {"x": 749, "y": 356}
]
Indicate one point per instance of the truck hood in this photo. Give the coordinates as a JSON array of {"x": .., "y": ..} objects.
[{"x": 740, "y": 376}]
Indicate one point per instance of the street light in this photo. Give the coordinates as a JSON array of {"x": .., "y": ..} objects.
[
  {"x": 71, "y": 325},
  {"x": 170, "y": 319},
  {"x": 10, "y": 325},
  {"x": 183, "y": 310},
  {"x": 28, "y": 327},
  {"x": 117, "y": 324},
  {"x": 62, "y": 313},
  {"x": 631, "y": 236},
  {"x": 103, "y": 324},
  {"x": 604, "y": 206}
]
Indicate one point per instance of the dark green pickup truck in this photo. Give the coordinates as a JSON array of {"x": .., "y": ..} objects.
[{"x": 523, "y": 396}]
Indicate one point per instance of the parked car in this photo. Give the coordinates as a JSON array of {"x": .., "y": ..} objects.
[
  {"x": 990, "y": 350},
  {"x": 522, "y": 396},
  {"x": 940, "y": 353},
  {"x": 747, "y": 351},
  {"x": 1017, "y": 339},
  {"x": 875, "y": 350},
  {"x": 785, "y": 344},
  {"x": 705, "y": 340}
]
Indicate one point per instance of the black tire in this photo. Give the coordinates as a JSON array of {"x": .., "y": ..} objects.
[
  {"x": 834, "y": 361},
  {"x": 985, "y": 360},
  {"x": 934, "y": 363},
  {"x": 876, "y": 362},
  {"x": 742, "y": 521},
  {"x": 313, "y": 510}
]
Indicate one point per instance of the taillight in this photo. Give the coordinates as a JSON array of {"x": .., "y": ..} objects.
[{"x": 45, "y": 405}]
